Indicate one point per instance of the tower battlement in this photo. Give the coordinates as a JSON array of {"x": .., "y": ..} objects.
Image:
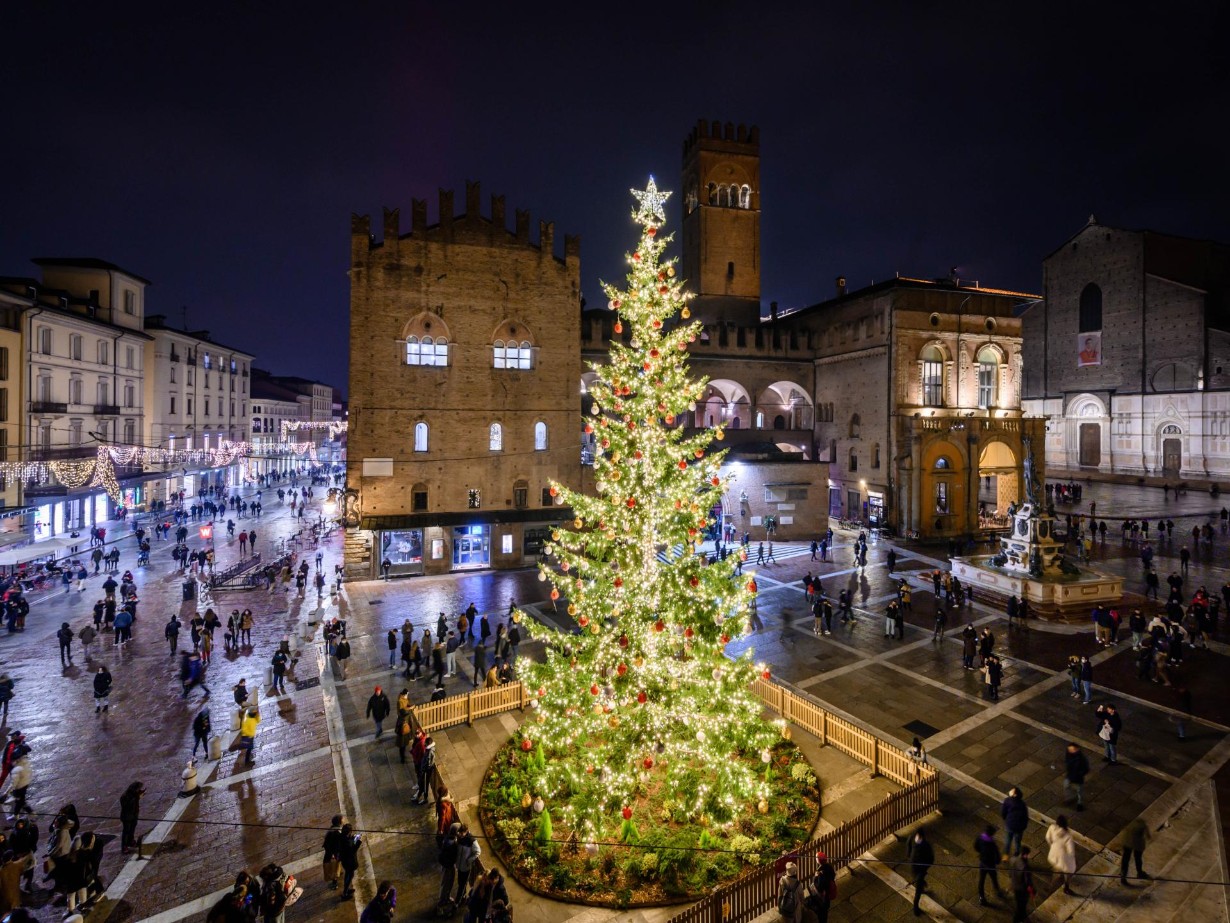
[
  {"x": 715, "y": 135},
  {"x": 471, "y": 226}
]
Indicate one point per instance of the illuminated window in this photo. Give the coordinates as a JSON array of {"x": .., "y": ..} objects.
[
  {"x": 474, "y": 498},
  {"x": 420, "y": 437},
  {"x": 988, "y": 375},
  {"x": 512, "y": 347},
  {"x": 426, "y": 339},
  {"x": 540, "y": 436},
  {"x": 941, "y": 496},
  {"x": 495, "y": 438},
  {"x": 932, "y": 377}
]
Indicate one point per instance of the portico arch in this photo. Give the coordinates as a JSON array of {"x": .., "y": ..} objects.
[
  {"x": 943, "y": 499},
  {"x": 784, "y": 405},
  {"x": 1086, "y": 431},
  {"x": 998, "y": 478},
  {"x": 726, "y": 403}
]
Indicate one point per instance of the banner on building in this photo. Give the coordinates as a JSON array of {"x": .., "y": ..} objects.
[{"x": 1088, "y": 349}]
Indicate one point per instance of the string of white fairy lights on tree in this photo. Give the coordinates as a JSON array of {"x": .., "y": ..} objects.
[{"x": 99, "y": 471}]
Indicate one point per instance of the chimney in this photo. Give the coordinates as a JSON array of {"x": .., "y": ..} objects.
[
  {"x": 841, "y": 286},
  {"x": 772, "y": 310}
]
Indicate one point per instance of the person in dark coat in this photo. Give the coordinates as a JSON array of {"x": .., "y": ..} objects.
[
  {"x": 969, "y": 646},
  {"x": 1016, "y": 818},
  {"x": 1075, "y": 769},
  {"x": 988, "y": 861},
  {"x": 201, "y": 728},
  {"x": 922, "y": 857},
  {"x": 1109, "y": 726},
  {"x": 102, "y": 689},
  {"x": 480, "y": 663},
  {"x": 130, "y": 814},
  {"x": 348, "y": 855},
  {"x": 378, "y": 709}
]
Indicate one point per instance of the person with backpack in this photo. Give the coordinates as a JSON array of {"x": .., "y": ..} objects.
[
  {"x": 790, "y": 895},
  {"x": 468, "y": 865}
]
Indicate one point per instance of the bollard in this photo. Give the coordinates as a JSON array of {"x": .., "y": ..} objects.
[
  {"x": 188, "y": 776},
  {"x": 309, "y": 631},
  {"x": 236, "y": 718},
  {"x": 215, "y": 748},
  {"x": 269, "y": 676}
]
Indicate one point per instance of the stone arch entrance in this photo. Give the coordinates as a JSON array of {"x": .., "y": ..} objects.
[
  {"x": 998, "y": 479},
  {"x": 1086, "y": 416},
  {"x": 1170, "y": 449},
  {"x": 943, "y": 498}
]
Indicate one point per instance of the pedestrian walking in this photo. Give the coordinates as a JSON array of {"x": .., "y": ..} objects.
[
  {"x": 342, "y": 654},
  {"x": 1022, "y": 885},
  {"x": 22, "y": 774},
  {"x": 380, "y": 908},
  {"x": 1015, "y": 813},
  {"x": 65, "y": 637},
  {"x": 130, "y": 816},
  {"x": 480, "y": 663},
  {"x": 1135, "y": 838},
  {"x": 279, "y": 663},
  {"x": 331, "y": 866},
  {"x": 989, "y": 855},
  {"x": 171, "y": 633},
  {"x": 201, "y": 728},
  {"x": 348, "y": 858},
  {"x": 1086, "y": 675},
  {"x": 378, "y": 709},
  {"x": 1062, "y": 853},
  {"x": 922, "y": 857},
  {"x": 1075, "y": 769},
  {"x": 102, "y": 689},
  {"x": 450, "y": 652},
  {"x": 247, "y": 734},
  {"x": 790, "y": 896},
  {"x": 941, "y": 619},
  {"x": 392, "y": 642}
]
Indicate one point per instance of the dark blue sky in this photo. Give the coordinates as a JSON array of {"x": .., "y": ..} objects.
[{"x": 220, "y": 149}]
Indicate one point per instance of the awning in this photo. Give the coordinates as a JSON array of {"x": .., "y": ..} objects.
[{"x": 38, "y": 550}]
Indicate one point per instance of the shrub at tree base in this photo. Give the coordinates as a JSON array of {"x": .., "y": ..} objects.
[{"x": 659, "y": 855}]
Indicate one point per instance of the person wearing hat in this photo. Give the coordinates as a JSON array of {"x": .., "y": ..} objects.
[
  {"x": 378, "y": 709},
  {"x": 823, "y": 888},
  {"x": 790, "y": 896}
]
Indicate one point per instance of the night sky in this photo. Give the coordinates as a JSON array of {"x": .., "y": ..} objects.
[{"x": 219, "y": 150}]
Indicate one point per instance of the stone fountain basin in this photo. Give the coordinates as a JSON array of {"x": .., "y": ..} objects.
[{"x": 1051, "y": 590}]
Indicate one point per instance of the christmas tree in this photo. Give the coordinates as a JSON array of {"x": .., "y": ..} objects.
[{"x": 641, "y": 706}]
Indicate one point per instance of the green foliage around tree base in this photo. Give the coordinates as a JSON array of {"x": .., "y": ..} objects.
[{"x": 660, "y": 855}]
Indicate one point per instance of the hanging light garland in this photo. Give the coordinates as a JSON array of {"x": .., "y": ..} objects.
[{"x": 334, "y": 427}]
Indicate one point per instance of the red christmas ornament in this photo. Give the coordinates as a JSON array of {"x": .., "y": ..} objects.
[
  {"x": 751, "y": 586},
  {"x": 554, "y": 492},
  {"x": 615, "y": 303},
  {"x": 589, "y": 770},
  {"x": 621, "y": 669},
  {"x": 619, "y": 328},
  {"x": 564, "y": 565},
  {"x": 650, "y": 231},
  {"x": 554, "y": 593},
  {"x": 583, "y": 621},
  {"x": 661, "y": 276},
  {"x": 646, "y": 366},
  {"x": 691, "y": 533},
  {"x": 627, "y": 813},
  {"x": 541, "y": 692},
  {"x": 700, "y": 453},
  {"x": 526, "y": 744},
  {"x": 631, "y": 502},
  {"x": 766, "y": 674},
  {"x": 670, "y": 419},
  {"x": 637, "y": 455},
  {"x": 716, "y": 480},
  {"x": 637, "y": 257},
  {"x": 593, "y": 690},
  {"x": 623, "y": 640},
  {"x": 656, "y": 324},
  {"x": 648, "y": 764},
  {"x": 606, "y": 443},
  {"x": 631, "y": 424},
  {"x": 642, "y": 698},
  {"x": 661, "y": 407},
  {"x": 589, "y": 428},
  {"x": 619, "y": 581},
  {"x": 659, "y": 625},
  {"x": 688, "y": 632},
  {"x": 662, "y": 290},
  {"x": 683, "y": 464},
  {"x": 678, "y": 504},
  {"x": 653, "y": 354},
  {"x": 695, "y": 581},
  {"x": 725, "y": 640}
]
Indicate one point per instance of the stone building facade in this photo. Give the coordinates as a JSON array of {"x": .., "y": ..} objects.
[
  {"x": 465, "y": 361},
  {"x": 1128, "y": 355},
  {"x": 917, "y": 388}
]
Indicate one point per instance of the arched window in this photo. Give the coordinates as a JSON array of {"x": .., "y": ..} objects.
[
  {"x": 540, "y": 437},
  {"x": 941, "y": 463},
  {"x": 426, "y": 341},
  {"x": 1174, "y": 376},
  {"x": 853, "y": 461},
  {"x": 745, "y": 196},
  {"x": 512, "y": 347},
  {"x": 1091, "y": 309},
  {"x": 495, "y": 438},
  {"x": 932, "y": 377},
  {"x": 420, "y": 437},
  {"x": 988, "y": 376},
  {"x": 855, "y": 426}
]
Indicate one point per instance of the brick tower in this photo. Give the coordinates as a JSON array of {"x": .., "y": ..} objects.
[{"x": 721, "y": 225}]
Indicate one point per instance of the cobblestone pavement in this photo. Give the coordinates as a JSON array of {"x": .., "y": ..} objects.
[{"x": 316, "y": 754}]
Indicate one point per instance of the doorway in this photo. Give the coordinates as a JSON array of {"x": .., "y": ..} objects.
[
  {"x": 1090, "y": 445},
  {"x": 1172, "y": 456},
  {"x": 471, "y": 547}
]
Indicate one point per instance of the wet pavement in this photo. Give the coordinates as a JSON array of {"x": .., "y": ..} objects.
[{"x": 316, "y": 756}]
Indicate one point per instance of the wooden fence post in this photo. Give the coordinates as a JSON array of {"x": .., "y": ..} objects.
[
  {"x": 875, "y": 757},
  {"x": 470, "y": 708},
  {"x": 824, "y": 728}
]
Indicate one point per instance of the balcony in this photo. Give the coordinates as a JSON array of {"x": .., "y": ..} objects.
[
  {"x": 175, "y": 357},
  {"x": 106, "y": 410},
  {"x": 48, "y": 407}
]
